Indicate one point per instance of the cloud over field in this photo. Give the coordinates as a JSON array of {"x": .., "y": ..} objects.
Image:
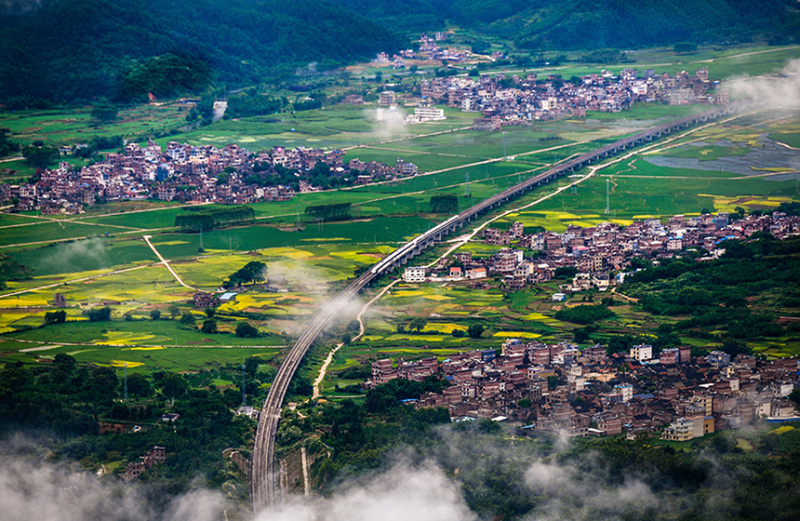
[{"x": 776, "y": 91}]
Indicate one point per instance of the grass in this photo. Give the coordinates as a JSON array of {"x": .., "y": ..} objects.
[
  {"x": 75, "y": 125},
  {"x": 386, "y": 214}
]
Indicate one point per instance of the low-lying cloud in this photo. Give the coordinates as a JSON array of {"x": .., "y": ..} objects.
[
  {"x": 40, "y": 491},
  {"x": 405, "y": 493},
  {"x": 781, "y": 91}
]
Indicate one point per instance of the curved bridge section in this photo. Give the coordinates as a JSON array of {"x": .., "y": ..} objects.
[{"x": 262, "y": 482}]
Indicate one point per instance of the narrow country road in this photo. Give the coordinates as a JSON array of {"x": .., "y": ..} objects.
[{"x": 165, "y": 263}]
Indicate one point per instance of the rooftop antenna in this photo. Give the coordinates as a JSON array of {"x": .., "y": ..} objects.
[
  {"x": 608, "y": 197},
  {"x": 244, "y": 388},
  {"x": 125, "y": 380},
  {"x": 466, "y": 185}
]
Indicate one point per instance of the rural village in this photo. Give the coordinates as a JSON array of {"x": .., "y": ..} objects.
[
  {"x": 597, "y": 252},
  {"x": 234, "y": 175},
  {"x": 560, "y": 388}
]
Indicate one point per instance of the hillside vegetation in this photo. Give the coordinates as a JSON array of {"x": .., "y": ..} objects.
[
  {"x": 80, "y": 49},
  {"x": 593, "y": 24}
]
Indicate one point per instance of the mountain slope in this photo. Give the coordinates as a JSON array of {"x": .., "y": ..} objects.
[
  {"x": 592, "y": 24},
  {"x": 79, "y": 49}
]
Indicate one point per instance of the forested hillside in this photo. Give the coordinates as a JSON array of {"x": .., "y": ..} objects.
[
  {"x": 80, "y": 49},
  {"x": 592, "y": 24}
]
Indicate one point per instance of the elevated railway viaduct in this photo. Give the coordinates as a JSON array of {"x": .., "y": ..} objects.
[{"x": 262, "y": 484}]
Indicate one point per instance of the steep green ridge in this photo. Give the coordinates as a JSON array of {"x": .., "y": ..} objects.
[
  {"x": 591, "y": 24},
  {"x": 80, "y": 49}
]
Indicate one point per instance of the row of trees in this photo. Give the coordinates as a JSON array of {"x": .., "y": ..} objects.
[
  {"x": 444, "y": 204},
  {"x": 207, "y": 219},
  {"x": 329, "y": 212}
]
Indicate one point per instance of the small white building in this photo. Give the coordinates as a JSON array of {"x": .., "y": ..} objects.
[
  {"x": 414, "y": 274},
  {"x": 641, "y": 352},
  {"x": 626, "y": 390}
]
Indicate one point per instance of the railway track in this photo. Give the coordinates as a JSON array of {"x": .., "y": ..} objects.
[{"x": 262, "y": 483}]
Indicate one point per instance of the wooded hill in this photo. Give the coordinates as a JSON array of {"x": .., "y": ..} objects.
[
  {"x": 76, "y": 50},
  {"x": 79, "y": 50},
  {"x": 596, "y": 24}
]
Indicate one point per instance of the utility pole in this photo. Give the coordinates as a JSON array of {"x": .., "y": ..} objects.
[
  {"x": 608, "y": 196},
  {"x": 466, "y": 185},
  {"x": 125, "y": 380},
  {"x": 504, "y": 145}
]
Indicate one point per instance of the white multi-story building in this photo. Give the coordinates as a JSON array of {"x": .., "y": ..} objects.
[
  {"x": 423, "y": 114},
  {"x": 641, "y": 352},
  {"x": 414, "y": 274}
]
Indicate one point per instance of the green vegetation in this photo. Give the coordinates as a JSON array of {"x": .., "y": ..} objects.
[
  {"x": 584, "y": 314},
  {"x": 131, "y": 48},
  {"x": 739, "y": 296},
  {"x": 253, "y": 271},
  {"x": 444, "y": 204},
  {"x": 329, "y": 212},
  {"x": 582, "y": 24},
  {"x": 165, "y": 76},
  {"x": 207, "y": 219},
  {"x": 74, "y": 401}
]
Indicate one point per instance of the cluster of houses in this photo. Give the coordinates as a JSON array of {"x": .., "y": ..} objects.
[
  {"x": 522, "y": 100},
  {"x": 191, "y": 174},
  {"x": 597, "y": 251},
  {"x": 157, "y": 454},
  {"x": 560, "y": 388},
  {"x": 429, "y": 49}
]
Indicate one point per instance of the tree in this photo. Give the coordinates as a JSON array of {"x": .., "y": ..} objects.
[
  {"x": 40, "y": 156},
  {"x": 329, "y": 212},
  {"x": 187, "y": 319},
  {"x": 104, "y": 112},
  {"x": 565, "y": 272},
  {"x": 795, "y": 397},
  {"x": 418, "y": 323},
  {"x": 209, "y": 326},
  {"x": 100, "y": 386},
  {"x": 475, "y": 330},
  {"x": 174, "y": 311},
  {"x": 253, "y": 271},
  {"x": 581, "y": 336},
  {"x": 7, "y": 147},
  {"x": 55, "y": 317},
  {"x": 172, "y": 385},
  {"x": 685, "y": 47},
  {"x": 155, "y": 314},
  {"x": 444, "y": 204},
  {"x": 139, "y": 386},
  {"x": 102, "y": 314},
  {"x": 210, "y": 312},
  {"x": 245, "y": 330}
]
